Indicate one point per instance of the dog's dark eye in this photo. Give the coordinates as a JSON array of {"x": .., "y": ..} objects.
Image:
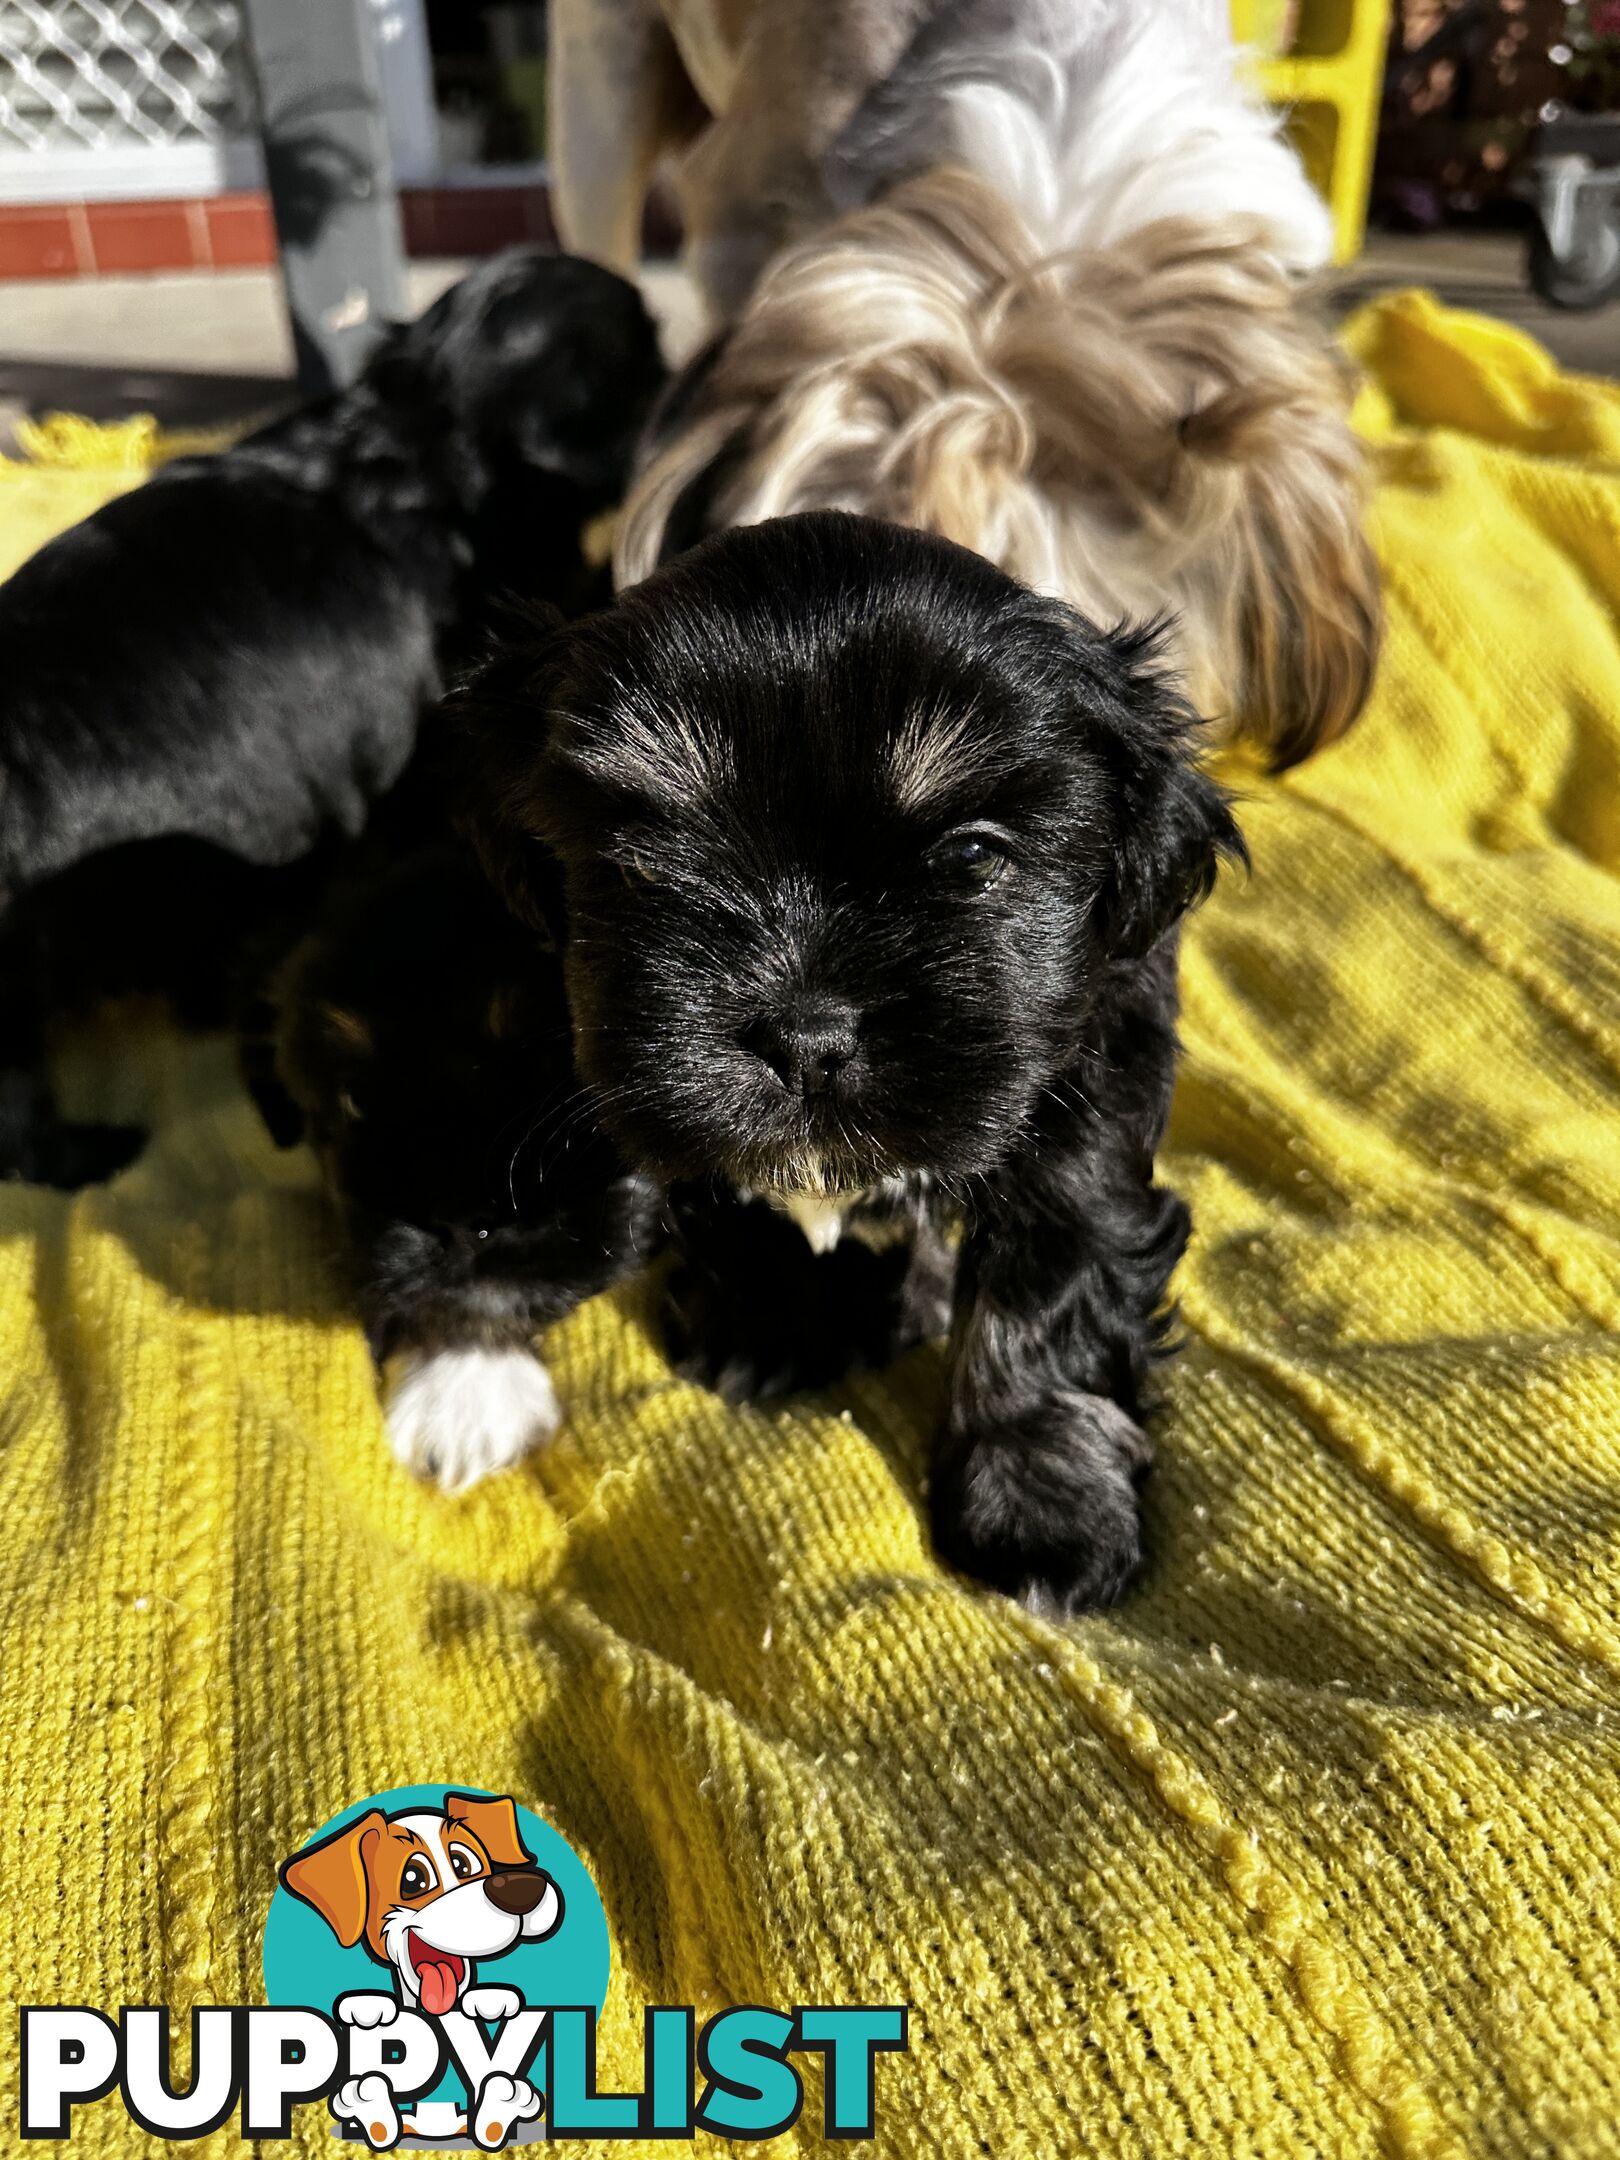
[
  {"x": 635, "y": 872},
  {"x": 462, "y": 1863},
  {"x": 417, "y": 1879},
  {"x": 971, "y": 859}
]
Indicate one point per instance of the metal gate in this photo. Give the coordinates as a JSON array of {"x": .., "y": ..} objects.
[{"x": 123, "y": 97}]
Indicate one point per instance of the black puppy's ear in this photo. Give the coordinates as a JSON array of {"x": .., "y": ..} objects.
[
  {"x": 1172, "y": 824},
  {"x": 497, "y": 721}
]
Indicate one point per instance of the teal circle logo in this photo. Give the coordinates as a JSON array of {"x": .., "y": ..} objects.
[{"x": 447, "y": 1899}]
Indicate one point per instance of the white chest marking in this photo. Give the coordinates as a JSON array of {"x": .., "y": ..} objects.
[
  {"x": 825, "y": 1218},
  {"x": 820, "y": 1218}
]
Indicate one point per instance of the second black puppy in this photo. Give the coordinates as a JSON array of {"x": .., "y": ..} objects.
[
  {"x": 864, "y": 866},
  {"x": 239, "y": 653},
  {"x": 424, "y": 1050}
]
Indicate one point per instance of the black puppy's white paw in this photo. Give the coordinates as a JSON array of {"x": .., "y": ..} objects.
[
  {"x": 458, "y": 1415},
  {"x": 1044, "y": 1507}
]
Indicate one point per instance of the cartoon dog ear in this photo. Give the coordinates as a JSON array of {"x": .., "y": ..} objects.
[
  {"x": 495, "y": 1825},
  {"x": 331, "y": 1876}
]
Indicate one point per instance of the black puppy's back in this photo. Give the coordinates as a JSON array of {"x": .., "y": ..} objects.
[
  {"x": 240, "y": 652},
  {"x": 211, "y": 658},
  {"x": 238, "y": 655}
]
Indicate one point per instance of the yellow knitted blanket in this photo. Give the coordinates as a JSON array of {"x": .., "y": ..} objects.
[{"x": 1311, "y": 1847}]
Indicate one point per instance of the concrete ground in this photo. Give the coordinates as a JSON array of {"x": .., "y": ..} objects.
[
  {"x": 207, "y": 349},
  {"x": 1485, "y": 271}
]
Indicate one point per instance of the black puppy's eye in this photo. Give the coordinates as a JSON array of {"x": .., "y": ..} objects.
[
  {"x": 971, "y": 859},
  {"x": 635, "y": 872}
]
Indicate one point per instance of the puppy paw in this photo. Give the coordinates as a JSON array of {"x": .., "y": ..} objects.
[
  {"x": 492, "y": 2004},
  {"x": 457, "y": 1415},
  {"x": 785, "y": 1323},
  {"x": 503, "y": 2103},
  {"x": 741, "y": 1356},
  {"x": 1045, "y": 1507},
  {"x": 369, "y": 2101},
  {"x": 367, "y": 2009}
]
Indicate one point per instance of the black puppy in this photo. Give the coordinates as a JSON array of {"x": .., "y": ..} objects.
[
  {"x": 424, "y": 1048},
  {"x": 239, "y": 653},
  {"x": 864, "y": 866}
]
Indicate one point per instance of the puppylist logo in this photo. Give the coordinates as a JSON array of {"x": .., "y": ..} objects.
[{"x": 435, "y": 1962}]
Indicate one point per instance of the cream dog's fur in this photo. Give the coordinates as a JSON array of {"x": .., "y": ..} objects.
[
  {"x": 1062, "y": 325},
  {"x": 744, "y": 96}
]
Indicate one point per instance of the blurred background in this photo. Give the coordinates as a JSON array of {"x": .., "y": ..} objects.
[{"x": 204, "y": 202}]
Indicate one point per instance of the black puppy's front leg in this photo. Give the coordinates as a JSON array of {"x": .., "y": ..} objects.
[
  {"x": 1060, "y": 1298},
  {"x": 753, "y": 1312},
  {"x": 451, "y": 1313},
  {"x": 422, "y": 1043},
  {"x": 38, "y": 1146}
]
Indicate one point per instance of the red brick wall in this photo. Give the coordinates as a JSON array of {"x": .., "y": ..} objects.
[{"x": 232, "y": 232}]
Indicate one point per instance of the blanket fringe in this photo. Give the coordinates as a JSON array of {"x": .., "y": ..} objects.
[{"x": 67, "y": 442}]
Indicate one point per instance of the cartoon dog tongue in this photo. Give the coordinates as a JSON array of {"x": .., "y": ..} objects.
[{"x": 436, "y": 1977}]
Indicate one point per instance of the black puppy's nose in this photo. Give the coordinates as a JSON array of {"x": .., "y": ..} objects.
[
  {"x": 516, "y": 1890},
  {"x": 807, "y": 1046}
]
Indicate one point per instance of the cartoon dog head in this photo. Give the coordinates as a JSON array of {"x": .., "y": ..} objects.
[{"x": 429, "y": 1890}]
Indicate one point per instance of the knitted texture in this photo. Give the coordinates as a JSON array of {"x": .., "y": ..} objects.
[
  {"x": 70, "y": 467},
  {"x": 1309, "y": 1848}
]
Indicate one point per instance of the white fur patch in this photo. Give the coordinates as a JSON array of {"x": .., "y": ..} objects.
[
  {"x": 826, "y": 1217},
  {"x": 458, "y": 1415},
  {"x": 820, "y": 1218}
]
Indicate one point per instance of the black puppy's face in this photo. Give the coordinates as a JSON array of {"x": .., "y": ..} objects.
[
  {"x": 840, "y": 831},
  {"x": 520, "y": 353}
]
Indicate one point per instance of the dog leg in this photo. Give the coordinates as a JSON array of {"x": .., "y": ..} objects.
[
  {"x": 503, "y": 2103},
  {"x": 1060, "y": 1311},
  {"x": 752, "y": 1312},
  {"x": 452, "y": 1317},
  {"x": 38, "y": 1146},
  {"x": 369, "y": 2101},
  {"x": 617, "y": 88}
]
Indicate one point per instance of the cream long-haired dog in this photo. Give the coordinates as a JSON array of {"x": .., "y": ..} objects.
[{"x": 1049, "y": 303}]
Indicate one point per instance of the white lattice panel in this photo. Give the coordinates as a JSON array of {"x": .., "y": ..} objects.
[{"x": 120, "y": 75}]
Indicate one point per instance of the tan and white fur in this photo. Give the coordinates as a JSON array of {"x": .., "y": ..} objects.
[
  {"x": 1063, "y": 324},
  {"x": 739, "y": 100}
]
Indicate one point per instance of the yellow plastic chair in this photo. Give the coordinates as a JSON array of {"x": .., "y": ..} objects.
[{"x": 1330, "y": 78}]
